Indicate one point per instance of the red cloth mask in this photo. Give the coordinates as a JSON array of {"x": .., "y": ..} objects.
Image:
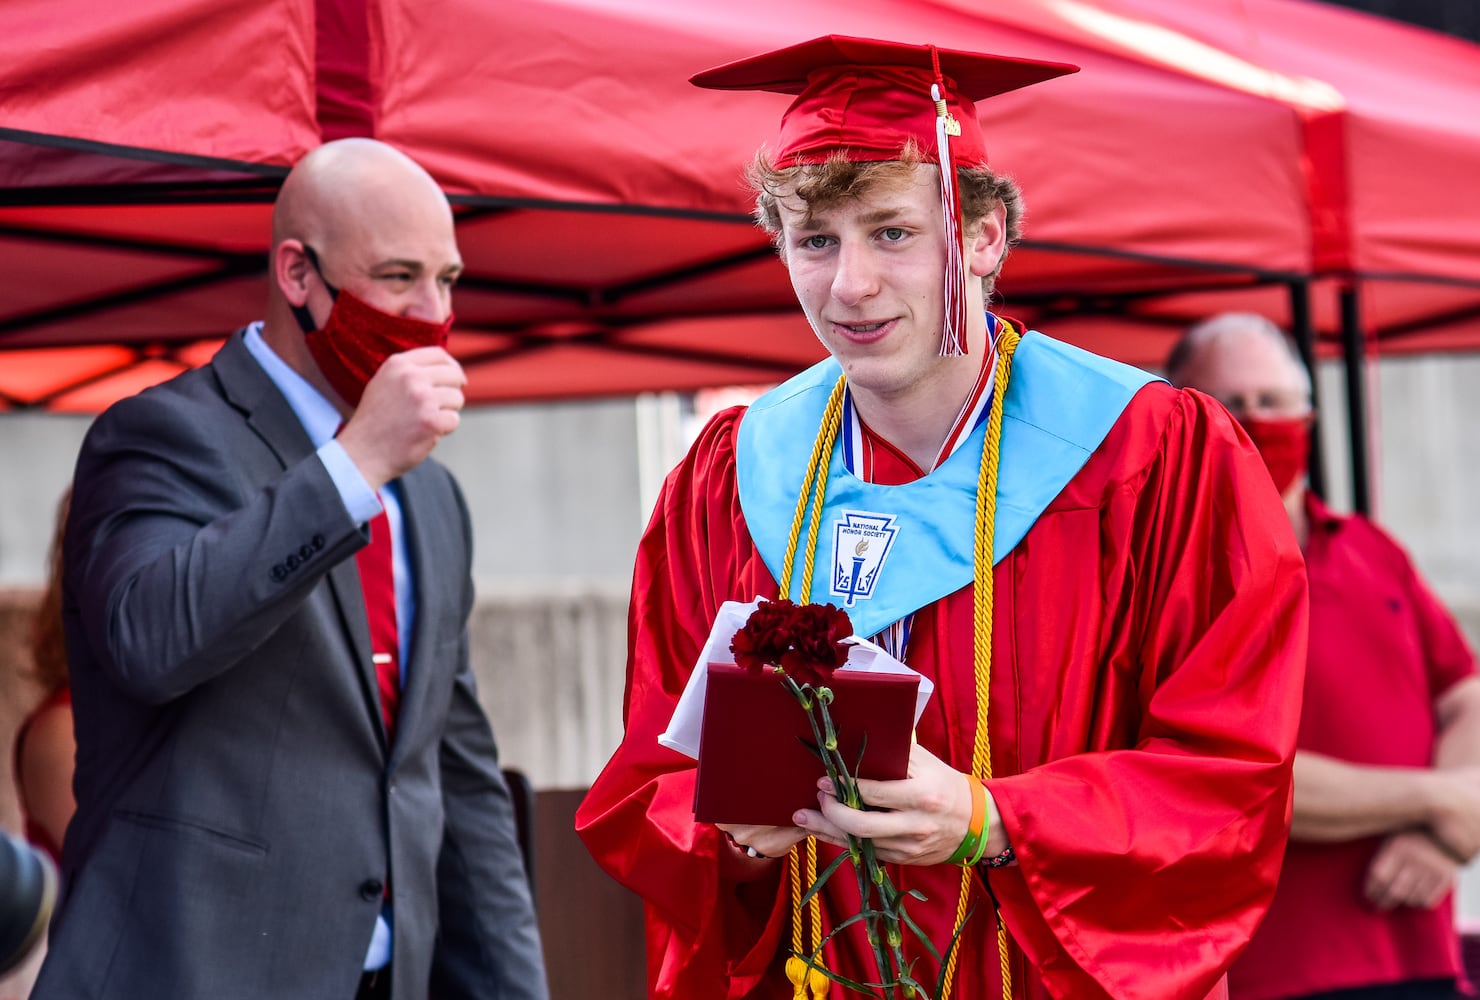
[
  {"x": 357, "y": 338},
  {"x": 1285, "y": 447}
]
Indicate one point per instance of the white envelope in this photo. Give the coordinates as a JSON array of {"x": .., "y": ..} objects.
[{"x": 683, "y": 729}]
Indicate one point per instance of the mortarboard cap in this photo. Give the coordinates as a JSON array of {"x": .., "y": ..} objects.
[{"x": 865, "y": 99}]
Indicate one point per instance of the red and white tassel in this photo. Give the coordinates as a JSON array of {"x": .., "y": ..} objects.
[{"x": 953, "y": 332}]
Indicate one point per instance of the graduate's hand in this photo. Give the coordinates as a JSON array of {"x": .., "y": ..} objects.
[
  {"x": 411, "y": 403},
  {"x": 1410, "y": 869},
  {"x": 769, "y": 842},
  {"x": 919, "y": 820}
]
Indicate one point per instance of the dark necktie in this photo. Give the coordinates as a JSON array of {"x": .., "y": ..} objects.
[{"x": 378, "y": 580}]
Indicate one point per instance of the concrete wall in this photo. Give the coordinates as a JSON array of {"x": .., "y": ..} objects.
[
  {"x": 554, "y": 490},
  {"x": 1425, "y": 415}
]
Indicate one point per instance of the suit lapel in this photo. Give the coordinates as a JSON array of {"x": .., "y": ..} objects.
[{"x": 248, "y": 388}]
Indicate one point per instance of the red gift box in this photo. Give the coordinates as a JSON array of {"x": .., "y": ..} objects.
[{"x": 757, "y": 759}]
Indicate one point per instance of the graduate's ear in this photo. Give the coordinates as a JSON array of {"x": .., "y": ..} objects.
[{"x": 987, "y": 242}]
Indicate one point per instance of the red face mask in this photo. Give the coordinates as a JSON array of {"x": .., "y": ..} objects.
[
  {"x": 1285, "y": 447},
  {"x": 357, "y": 338}
]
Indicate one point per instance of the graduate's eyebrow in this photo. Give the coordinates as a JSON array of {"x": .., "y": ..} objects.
[
  {"x": 811, "y": 224},
  {"x": 880, "y": 215}
]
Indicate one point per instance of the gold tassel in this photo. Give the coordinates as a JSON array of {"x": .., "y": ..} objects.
[{"x": 796, "y": 971}]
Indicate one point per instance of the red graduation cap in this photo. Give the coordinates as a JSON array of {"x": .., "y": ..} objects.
[{"x": 866, "y": 98}]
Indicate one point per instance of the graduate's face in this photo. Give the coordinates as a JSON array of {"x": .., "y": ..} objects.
[{"x": 869, "y": 273}]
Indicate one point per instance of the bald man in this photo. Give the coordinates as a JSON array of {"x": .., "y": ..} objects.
[
  {"x": 1387, "y": 770},
  {"x": 285, "y": 784}
]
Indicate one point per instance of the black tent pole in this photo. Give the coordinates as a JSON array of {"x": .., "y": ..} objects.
[
  {"x": 1305, "y": 339},
  {"x": 1355, "y": 356}
]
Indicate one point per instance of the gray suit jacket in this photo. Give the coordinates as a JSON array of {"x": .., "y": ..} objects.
[{"x": 238, "y": 808}]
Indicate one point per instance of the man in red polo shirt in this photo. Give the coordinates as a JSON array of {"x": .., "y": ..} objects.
[{"x": 1387, "y": 774}]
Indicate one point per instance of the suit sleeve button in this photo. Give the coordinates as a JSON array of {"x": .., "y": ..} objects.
[{"x": 372, "y": 889}]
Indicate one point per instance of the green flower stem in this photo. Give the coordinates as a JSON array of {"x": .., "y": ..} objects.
[
  {"x": 881, "y": 903},
  {"x": 873, "y": 878},
  {"x": 891, "y": 903}
]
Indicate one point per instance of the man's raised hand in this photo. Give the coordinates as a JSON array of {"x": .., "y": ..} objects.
[{"x": 413, "y": 402}]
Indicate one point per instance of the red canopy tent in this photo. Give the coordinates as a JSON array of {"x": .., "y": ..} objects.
[{"x": 1201, "y": 160}]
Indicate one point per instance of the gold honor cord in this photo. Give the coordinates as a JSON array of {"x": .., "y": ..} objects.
[
  {"x": 814, "y": 483},
  {"x": 981, "y": 619},
  {"x": 814, "y": 488}
]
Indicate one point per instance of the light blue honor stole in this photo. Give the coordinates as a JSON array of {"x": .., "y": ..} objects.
[{"x": 884, "y": 552}]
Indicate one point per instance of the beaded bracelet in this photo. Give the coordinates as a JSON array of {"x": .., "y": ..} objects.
[{"x": 1002, "y": 860}]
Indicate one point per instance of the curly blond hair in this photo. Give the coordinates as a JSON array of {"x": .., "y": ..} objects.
[{"x": 824, "y": 185}]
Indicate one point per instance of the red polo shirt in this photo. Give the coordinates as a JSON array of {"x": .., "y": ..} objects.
[{"x": 1382, "y": 649}]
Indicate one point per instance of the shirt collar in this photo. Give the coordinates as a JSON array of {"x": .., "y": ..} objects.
[
  {"x": 1319, "y": 514},
  {"x": 317, "y": 415}
]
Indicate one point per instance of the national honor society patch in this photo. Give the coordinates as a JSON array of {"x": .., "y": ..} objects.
[{"x": 861, "y": 543}]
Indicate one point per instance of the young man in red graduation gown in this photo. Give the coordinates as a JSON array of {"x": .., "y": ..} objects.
[
  {"x": 1387, "y": 774},
  {"x": 1137, "y": 650}
]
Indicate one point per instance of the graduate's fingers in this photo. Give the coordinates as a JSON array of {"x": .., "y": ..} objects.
[
  {"x": 931, "y": 786},
  {"x": 813, "y": 822},
  {"x": 908, "y": 838},
  {"x": 764, "y": 841},
  {"x": 876, "y": 826}
]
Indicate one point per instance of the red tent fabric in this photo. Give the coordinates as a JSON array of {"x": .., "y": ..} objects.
[
  {"x": 1208, "y": 156},
  {"x": 133, "y": 137},
  {"x": 204, "y": 79}
]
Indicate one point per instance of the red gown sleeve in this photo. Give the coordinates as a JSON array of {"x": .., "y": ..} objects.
[
  {"x": 637, "y": 820},
  {"x": 1148, "y": 856}
]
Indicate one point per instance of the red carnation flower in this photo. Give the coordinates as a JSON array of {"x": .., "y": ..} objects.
[
  {"x": 766, "y": 635},
  {"x": 818, "y": 631}
]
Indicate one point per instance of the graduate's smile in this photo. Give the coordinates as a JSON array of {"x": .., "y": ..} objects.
[{"x": 864, "y": 331}]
